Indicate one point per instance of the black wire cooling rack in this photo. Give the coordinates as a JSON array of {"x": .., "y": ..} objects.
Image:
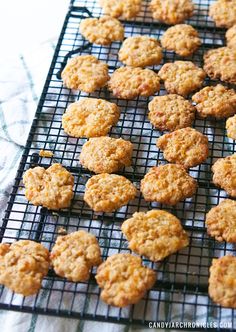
[{"x": 181, "y": 289}]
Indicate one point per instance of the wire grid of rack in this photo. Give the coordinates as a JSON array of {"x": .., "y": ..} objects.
[{"x": 180, "y": 292}]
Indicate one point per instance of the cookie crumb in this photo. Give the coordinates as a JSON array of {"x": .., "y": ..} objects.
[{"x": 46, "y": 153}]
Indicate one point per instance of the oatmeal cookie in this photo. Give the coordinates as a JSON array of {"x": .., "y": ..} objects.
[
  {"x": 129, "y": 82},
  {"x": 182, "y": 77},
  {"x": 23, "y": 265},
  {"x": 222, "y": 281},
  {"x": 140, "y": 51},
  {"x": 224, "y": 174},
  {"x": 155, "y": 234},
  {"x": 124, "y": 280},
  {"x": 106, "y": 154},
  {"x": 217, "y": 101},
  {"x": 184, "y": 146},
  {"x": 223, "y": 12},
  {"x": 102, "y": 31},
  {"x": 170, "y": 112},
  {"x": 171, "y": 11},
  {"x": 85, "y": 73},
  {"x": 125, "y": 8},
  {"x": 183, "y": 39},
  {"x": 168, "y": 184},
  {"x": 74, "y": 255},
  {"x": 108, "y": 192},
  {"x": 231, "y": 127},
  {"x": 90, "y": 117},
  {"x": 220, "y": 63},
  {"x": 221, "y": 221},
  {"x": 51, "y": 187},
  {"x": 231, "y": 36}
]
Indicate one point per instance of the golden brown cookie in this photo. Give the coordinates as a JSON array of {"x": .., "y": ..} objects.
[
  {"x": 51, "y": 187},
  {"x": 108, "y": 192},
  {"x": 221, "y": 221},
  {"x": 140, "y": 51},
  {"x": 129, "y": 82},
  {"x": 23, "y": 265},
  {"x": 90, "y": 117},
  {"x": 223, "y": 12},
  {"x": 171, "y": 11},
  {"x": 125, "y": 8},
  {"x": 217, "y": 101},
  {"x": 186, "y": 146},
  {"x": 182, "y": 77},
  {"x": 170, "y": 112},
  {"x": 168, "y": 184},
  {"x": 106, "y": 154},
  {"x": 222, "y": 281},
  {"x": 183, "y": 39},
  {"x": 231, "y": 36},
  {"x": 220, "y": 63},
  {"x": 124, "y": 280},
  {"x": 74, "y": 255},
  {"x": 102, "y": 31},
  {"x": 224, "y": 174},
  {"x": 231, "y": 127},
  {"x": 155, "y": 234},
  {"x": 85, "y": 73}
]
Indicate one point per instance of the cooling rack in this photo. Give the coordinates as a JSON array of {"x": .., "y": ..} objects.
[{"x": 180, "y": 292}]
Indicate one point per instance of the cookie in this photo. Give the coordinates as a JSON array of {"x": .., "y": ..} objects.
[
  {"x": 170, "y": 112},
  {"x": 222, "y": 281},
  {"x": 129, "y": 82},
  {"x": 108, "y": 192},
  {"x": 231, "y": 36},
  {"x": 217, "y": 101},
  {"x": 183, "y": 39},
  {"x": 182, "y": 77},
  {"x": 85, "y": 73},
  {"x": 223, "y": 12},
  {"x": 168, "y": 184},
  {"x": 220, "y": 63},
  {"x": 124, "y": 280},
  {"x": 171, "y": 11},
  {"x": 155, "y": 234},
  {"x": 51, "y": 187},
  {"x": 140, "y": 51},
  {"x": 106, "y": 154},
  {"x": 121, "y": 8},
  {"x": 221, "y": 221},
  {"x": 102, "y": 31},
  {"x": 231, "y": 127},
  {"x": 224, "y": 174},
  {"x": 90, "y": 117},
  {"x": 23, "y": 265},
  {"x": 74, "y": 255},
  {"x": 186, "y": 146}
]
